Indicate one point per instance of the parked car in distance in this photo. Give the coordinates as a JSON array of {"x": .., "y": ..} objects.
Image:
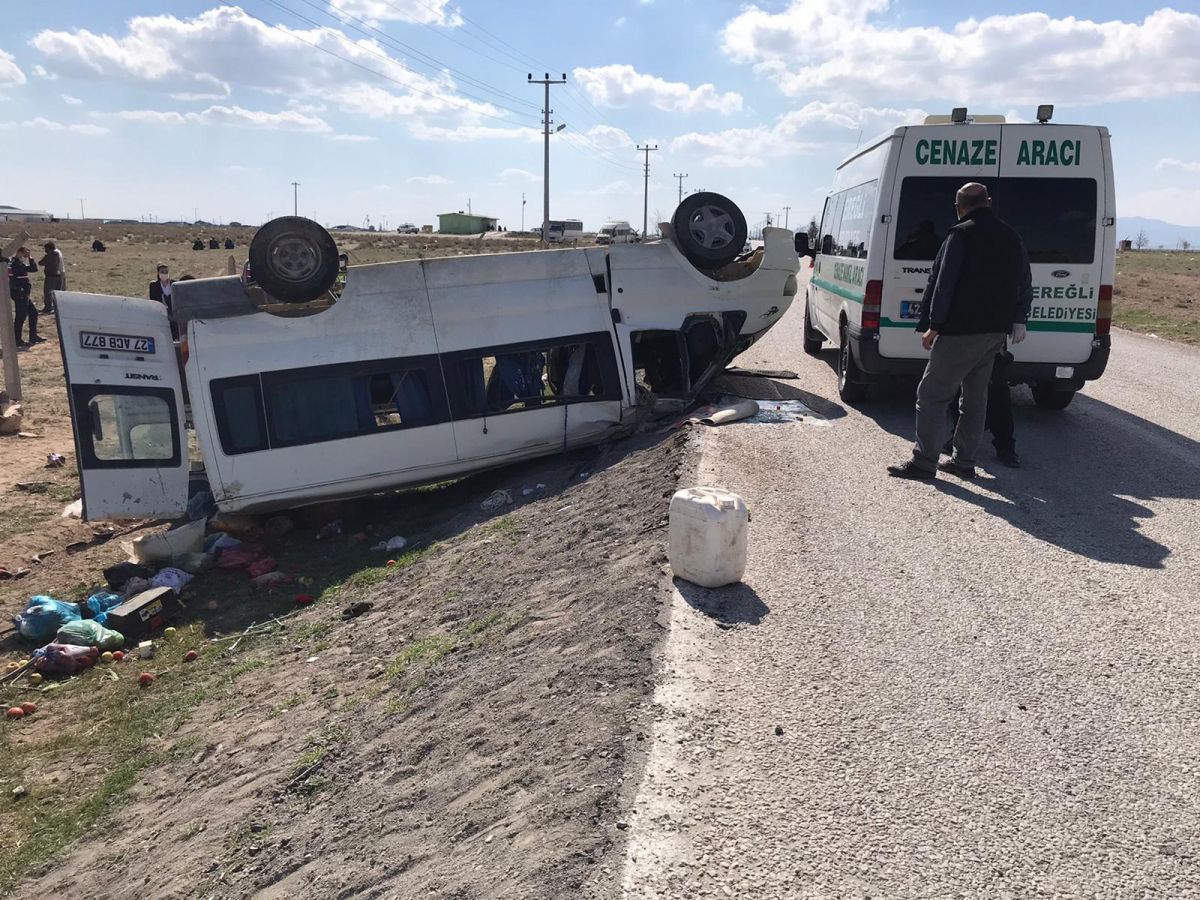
[{"x": 408, "y": 228}]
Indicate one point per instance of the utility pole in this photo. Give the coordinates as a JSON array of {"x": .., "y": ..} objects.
[
  {"x": 195, "y": 214},
  {"x": 295, "y": 201},
  {"x": 522, "y": 210},
  {"x": 680, "y": 177},
  {"x": 81, "y": 215},
  {"x": 646, "y": 190},
  {"x": 546, "y": 111},
  {"x": 787, "y": 213}
]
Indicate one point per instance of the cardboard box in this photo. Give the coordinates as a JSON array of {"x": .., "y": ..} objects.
[{"x": 144, "y": 612}]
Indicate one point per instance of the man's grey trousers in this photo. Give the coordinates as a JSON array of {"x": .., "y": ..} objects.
[{"x": 956, "y": 360}]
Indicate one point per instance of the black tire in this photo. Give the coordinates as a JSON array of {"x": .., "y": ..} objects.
[
  {"x": 851, "y": 388},
  {"x": 1047, "y": 397},
  {"x": 294, "y": 259},
  {"x": 709, "y": 230},
  {"x": 813, "y": 339}
]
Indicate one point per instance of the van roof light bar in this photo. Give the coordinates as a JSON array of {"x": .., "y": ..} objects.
[
  {"x": 1045, "y": 113},
  {"x": 958, "y": 115}
]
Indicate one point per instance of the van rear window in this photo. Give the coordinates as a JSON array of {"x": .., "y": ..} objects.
[{"x": 1056, "y": 217}]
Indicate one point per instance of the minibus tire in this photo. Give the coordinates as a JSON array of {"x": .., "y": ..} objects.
[
  {"x": 1046, "y": 397},
  {"x": 850, "y": 390},
  {"x": 293, "y": 259},
  {"x": 813, "y": 339},
  {"x": 709, "y": 230}
]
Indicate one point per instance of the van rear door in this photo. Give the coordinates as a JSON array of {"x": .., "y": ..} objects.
[
  {"x": 126, "y": 399},
  {"x": 1052, "y": 191},
  {"x": 935, "y": 161}
]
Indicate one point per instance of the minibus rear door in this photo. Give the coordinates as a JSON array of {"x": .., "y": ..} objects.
[{"x": 125, "y": 391}]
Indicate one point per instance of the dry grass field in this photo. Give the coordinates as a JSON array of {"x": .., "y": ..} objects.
[{"x": 1158, "y": 292}]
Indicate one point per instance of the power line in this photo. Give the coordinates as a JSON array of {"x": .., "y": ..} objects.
[{"x": 386, "y": 58}]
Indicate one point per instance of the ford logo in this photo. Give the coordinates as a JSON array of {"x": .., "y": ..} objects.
[{"x": 1060, "y": 273}]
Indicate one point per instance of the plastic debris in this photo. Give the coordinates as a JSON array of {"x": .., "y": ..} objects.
[
  {"x": 175, "y": 579},
  {"x": 43, "y": 617},
  {"x": 498, "y": 500},
  {"x": 201, "y": 505},
  {"x": 96, "y": 607},
  {"x": 333, "y": 529},
  {"x": 240, "y": 557},
  {"x": 393, "y": 543},
  {"x": 90, "y": 633},
  {"x": 135, "y": 586},
  {"x": 218, "y": 541},
  {"x": 145, "y": 650},
  {"x": 262, "y": 566},
  {"x": 118, "y": 576},
  {"x": 159, "y": 548},
  {"x": 192, "y": 563},
  {"x": 270, "y": 579},
  {"x": 64, "y": 659},
  {"x": 529, "y": 491},
  {"x": 73, "y": 510},
  {"x": 55, "y": 460}
]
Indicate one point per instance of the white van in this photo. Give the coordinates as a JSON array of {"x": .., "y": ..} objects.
[
  {"x": 616, "y": 233},
  {"x": 421, "y": 370},
  {"x": 890, "y": 207}
]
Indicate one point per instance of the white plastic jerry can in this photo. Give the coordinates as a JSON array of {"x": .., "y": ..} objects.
[{"x": 708, "y": 533}]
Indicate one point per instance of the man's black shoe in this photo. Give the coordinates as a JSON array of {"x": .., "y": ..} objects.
[
  {"x": 911, "y": 470},
  {"x": 37, "y": 340},
  {"x": 1009, "y": 458},
  {"x": 956, "y": 469}
]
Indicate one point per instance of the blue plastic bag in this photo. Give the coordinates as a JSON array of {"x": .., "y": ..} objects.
[
  {"x": 100, "y": 603},
  {"x": 44, "y": 616}
]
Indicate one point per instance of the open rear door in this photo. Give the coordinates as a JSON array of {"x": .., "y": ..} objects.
[{"x": 124, "y": 385}]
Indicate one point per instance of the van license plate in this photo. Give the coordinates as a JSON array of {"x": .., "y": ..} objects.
[
  {"x": 910, "y": 309},
  {"x": 124, "y": 343}
]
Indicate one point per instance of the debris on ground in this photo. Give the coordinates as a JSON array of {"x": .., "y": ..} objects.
[
  {"x": 392, "y": 543},
  {"x": 497, "y": 501},
  {"x": 55, "y": 460}
]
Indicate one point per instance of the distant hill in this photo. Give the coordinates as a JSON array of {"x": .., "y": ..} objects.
[{"x": 1161, "y": 234}]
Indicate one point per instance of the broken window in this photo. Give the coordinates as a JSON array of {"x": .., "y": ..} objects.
[
  {"x": 533, "y": 376},
  {"x": 127, "y": 428},
  {"x": 323, "y": 403}
]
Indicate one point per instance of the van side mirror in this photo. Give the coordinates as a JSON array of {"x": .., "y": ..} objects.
[
  {"x": 827, "y": 245},
  {"x": 802, "y": 243}
]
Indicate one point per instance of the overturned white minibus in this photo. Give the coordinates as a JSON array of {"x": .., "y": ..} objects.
[{"x": 422, "y": 370}]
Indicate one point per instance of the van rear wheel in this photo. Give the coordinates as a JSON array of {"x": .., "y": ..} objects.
[
  {"x": 1046, "y": 396},
  {"x": 813, "y": 339},
  {"x": 850, "y": 386}
]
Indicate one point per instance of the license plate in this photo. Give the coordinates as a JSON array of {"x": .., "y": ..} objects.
[
  {"x": 122, "y": 343},
  {"x": 910, "y": 309}
]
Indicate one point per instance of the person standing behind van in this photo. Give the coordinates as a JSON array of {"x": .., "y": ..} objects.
[
  {"x": 978, "y": 293},
  {"x": 54, "y": 268},
  {"x": 20, "y": 288}
]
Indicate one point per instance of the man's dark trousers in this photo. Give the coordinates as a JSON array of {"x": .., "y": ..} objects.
[
  {"x": 956, "y": 360},
  {"x": 999, "y": 407}
]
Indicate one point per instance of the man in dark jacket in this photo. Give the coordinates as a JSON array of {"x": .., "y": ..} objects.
[
  {"x": 979, "y": 292},
  {"x": 19, "y": 286}
]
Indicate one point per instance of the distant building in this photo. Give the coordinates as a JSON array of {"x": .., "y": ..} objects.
[
  {"x": 465, "y": 223},
  {"x": 12, "y": 214}
]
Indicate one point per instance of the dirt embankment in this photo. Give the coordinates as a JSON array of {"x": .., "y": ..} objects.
[{"x": 469, "y": 736}]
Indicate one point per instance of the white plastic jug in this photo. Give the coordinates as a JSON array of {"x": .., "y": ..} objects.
[{"x": 708, "y": 534}]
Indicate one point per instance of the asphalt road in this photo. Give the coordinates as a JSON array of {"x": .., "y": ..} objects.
[{"x": 986, "y": 689}]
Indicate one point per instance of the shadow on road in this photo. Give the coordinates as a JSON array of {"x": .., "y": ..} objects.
[
  {"x": 1087, "y": 473},
  {"x": 736, "y": 604}
]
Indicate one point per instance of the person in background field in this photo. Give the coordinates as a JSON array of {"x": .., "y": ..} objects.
[
  {"x": 54, "y": 270},
  {"x": 160, "y": 292},
  {"x": 979, "y": 292},
  {"x": 20, "y": 287}
]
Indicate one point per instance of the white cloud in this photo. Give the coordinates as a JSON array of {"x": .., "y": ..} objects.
[
  {"x": 71, "y": 101},
  {"x": 1169, "y": 163},
  {"x": 815, "y": 126},
  {"x": 40, "y": 124},
  {"x": 41, "y": 72},
  {"x": 623, "y": 85},
  {"x": 1171, "y": 204},
  {"x": 205, "y": 55},
  {"x": 425, "y": 132},
  {"x": 195, "y": 96},
  {"x": 841, "y": 49},
  {"x": 621, "y": 21},
  {"x": 427, "y": 12},
  {"x": 427, "y": 179},
  {"x": 10, "y": 72},
  {"x": 352, "y": 138},
  {"x": 608, "y": 137},
  {"x": 288, "y": 120},
  {"x": 512, "y": 174}
]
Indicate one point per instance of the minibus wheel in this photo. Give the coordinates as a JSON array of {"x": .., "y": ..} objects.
[
  {"x": 709, "y": 229},
  {"x": 1046, "y": 397},
  {"x": 850, "y": 388},
  {"x": 293, "y": 259},
  {"x": 813, "y": 339}
]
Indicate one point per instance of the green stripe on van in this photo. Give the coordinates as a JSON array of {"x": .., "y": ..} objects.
[
  {"x": 1078, "y": 327},
  {"x": 837, "y": 289}
]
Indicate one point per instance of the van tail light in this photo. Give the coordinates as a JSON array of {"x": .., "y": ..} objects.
[
  {"x": 872, "y": 304},
  {"x": 1104, "y": 311}
]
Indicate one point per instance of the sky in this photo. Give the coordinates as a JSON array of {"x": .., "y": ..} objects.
[{"x": 393, "y": 111}]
